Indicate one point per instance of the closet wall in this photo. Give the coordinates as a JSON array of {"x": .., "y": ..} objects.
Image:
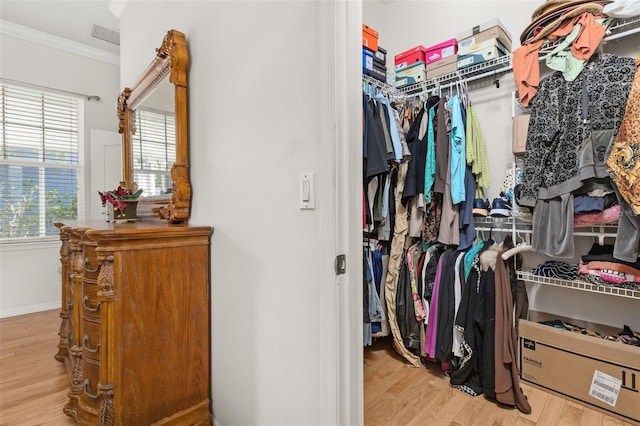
[{"x": 405, "y": 24}]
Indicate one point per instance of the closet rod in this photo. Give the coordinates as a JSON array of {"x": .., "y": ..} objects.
[
  {"x": 622, "y": 34},
  {"x": 49, "y": 89},
  {"x": 490, "y": 73}
]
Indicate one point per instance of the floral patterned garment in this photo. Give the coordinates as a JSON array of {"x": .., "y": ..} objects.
[
  {"x": 566, "y": 142},
  {"x": 623, "y": 163}
]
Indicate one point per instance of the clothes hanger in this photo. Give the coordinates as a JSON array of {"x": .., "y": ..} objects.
[
  {"x": 522, "y": 246},
  {"x": 490, "y": 240}
]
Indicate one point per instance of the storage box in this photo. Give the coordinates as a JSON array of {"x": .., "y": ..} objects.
[
  {"x": 440, "y": 51},
  {"x": 601, "y": 374},
  {"x": 482, "y": 52},
  {"x": 378, "y": 72},
  {"x": 367, "y": 60},
  {"x": 483, "y": 32},
  {"x": 369, "y": 38},
  {"x": 413, "y": 74},
  {"x": 380, "y": 56},
  {"x": 410, "y": 57},
  {"x": 443, "y": 67}
]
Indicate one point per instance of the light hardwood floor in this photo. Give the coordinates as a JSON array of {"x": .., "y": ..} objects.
[
  {"x": 398, "y": 394},
  {"x": 33, "y": 387}
]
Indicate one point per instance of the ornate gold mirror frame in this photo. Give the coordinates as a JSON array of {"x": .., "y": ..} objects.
[{"x": 172, "y": 59}]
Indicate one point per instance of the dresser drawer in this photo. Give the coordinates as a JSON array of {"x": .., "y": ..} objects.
[
  {"x": 91, "y": 375},
  {"x": 90, "y": 262},
  {"x": 91, "y": 338},
  {"x": 90, "y": 303}
]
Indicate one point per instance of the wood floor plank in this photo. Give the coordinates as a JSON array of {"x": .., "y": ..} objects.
[
  {"x": 392, "y": 391},
  {"x": 34, "y": 386}
]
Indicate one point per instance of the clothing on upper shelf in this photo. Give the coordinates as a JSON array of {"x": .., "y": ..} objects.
[
  {"x": 571, "y": 128},
  {"x": 570, "y": 57}
]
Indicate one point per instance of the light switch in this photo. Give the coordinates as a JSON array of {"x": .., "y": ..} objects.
[{"x": 307, "y": 191}]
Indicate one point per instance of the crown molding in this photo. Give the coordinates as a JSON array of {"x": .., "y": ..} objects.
[{"x": 50, "y": 40}]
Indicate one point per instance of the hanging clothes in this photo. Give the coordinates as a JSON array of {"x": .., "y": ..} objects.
[
  {"x": 572, "y": 125},
  {"x": 507, "y": 382},
  {"x": 374, "y": 145},
  {"x": 477, "y": 156},
  {"x": 395, "y": 264},
  {"x": 457, "y": 155}
]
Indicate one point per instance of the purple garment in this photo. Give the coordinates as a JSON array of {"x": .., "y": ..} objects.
[{"x": 430, "y": 335}]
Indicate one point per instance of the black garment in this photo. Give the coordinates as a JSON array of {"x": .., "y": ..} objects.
[
  {"x": 375, "y": 153},
  {"x": 365, "y": 292},
  {"x": 467, "y": 376},
  {"x": 476, "y": 320},
  {"x": 418, "y": 146},
  {"x": 485, "y": 324},
  {"x": 443, "y": 143},
  {"x": 405, "y": 314},
  {"x": 446, "y": 307},
  {"x": 418, "y": 149}
]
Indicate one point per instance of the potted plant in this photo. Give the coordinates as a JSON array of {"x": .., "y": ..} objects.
[{"x": 121, "y": 203}]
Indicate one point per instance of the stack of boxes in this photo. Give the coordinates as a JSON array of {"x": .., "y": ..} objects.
[
  {"x": 441, "y": 58},
  {"x": 487, "y": 41},
  {"x": 483, "y": 42},
  {"x": 410, "y": 67},
  {"x": 374, "y": 57},
  {"x": 423, "y": 63}
]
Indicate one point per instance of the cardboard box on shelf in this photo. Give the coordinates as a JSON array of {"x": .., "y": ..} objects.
[
  {"x": 409, "y": 57},
  {"x": 482, "y": 52},
  {"x": 380, "y": 56},
  {"x": 413, "y": 74},
  {"x": 367, "y": 59},
  {"x": 369, "y": 38},
  {"x": 483, "y": 32},
  {"x": 379, "y": 72},
  {"x": 598, "y": 373},
  {"x": 441, "y": 51},
  {"x": 442, "y": 67}
]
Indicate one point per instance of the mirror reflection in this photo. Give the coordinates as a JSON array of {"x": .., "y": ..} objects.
[{"x": 154, "y": 141}]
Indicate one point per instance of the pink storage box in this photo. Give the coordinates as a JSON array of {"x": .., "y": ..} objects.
[
  {"x": 410, "y": 57},
  {"x": 441, "y": 50}
]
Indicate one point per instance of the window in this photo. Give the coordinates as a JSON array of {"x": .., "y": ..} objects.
[
  {"x": 40, "y": 166},
  {"x": 154, "y": 150}
]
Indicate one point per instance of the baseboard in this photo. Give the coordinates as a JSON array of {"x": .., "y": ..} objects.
[{"x": 23, "y": 310}]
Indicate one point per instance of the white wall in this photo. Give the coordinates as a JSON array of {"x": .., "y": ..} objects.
[
  {"x": 256, "y": 123},
  {"x": 404, "y": 24},
  {"x": 30, "y": 280}
]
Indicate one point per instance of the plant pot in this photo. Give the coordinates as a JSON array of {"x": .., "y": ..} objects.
[{"x": 129, "y": 213}]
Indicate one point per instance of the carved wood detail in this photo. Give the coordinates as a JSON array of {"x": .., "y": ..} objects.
[
  {"x": 172, "y": 59},
  {"x": 151, "y": 281}
]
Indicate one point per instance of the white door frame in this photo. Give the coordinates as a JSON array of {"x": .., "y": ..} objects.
[
  {"x": 341, "y": 123},
  {"x": 105, "y": 167}
]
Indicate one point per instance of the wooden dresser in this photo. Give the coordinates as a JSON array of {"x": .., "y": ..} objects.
[{"x": 135, "y": 332}]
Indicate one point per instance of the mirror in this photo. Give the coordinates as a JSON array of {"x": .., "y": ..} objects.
[{"x": 162, "y": 88}]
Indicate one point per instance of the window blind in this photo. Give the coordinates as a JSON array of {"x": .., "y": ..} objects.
[
  {"x": 40, "y": 165},
  {"x": 154, "y": 150}
]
